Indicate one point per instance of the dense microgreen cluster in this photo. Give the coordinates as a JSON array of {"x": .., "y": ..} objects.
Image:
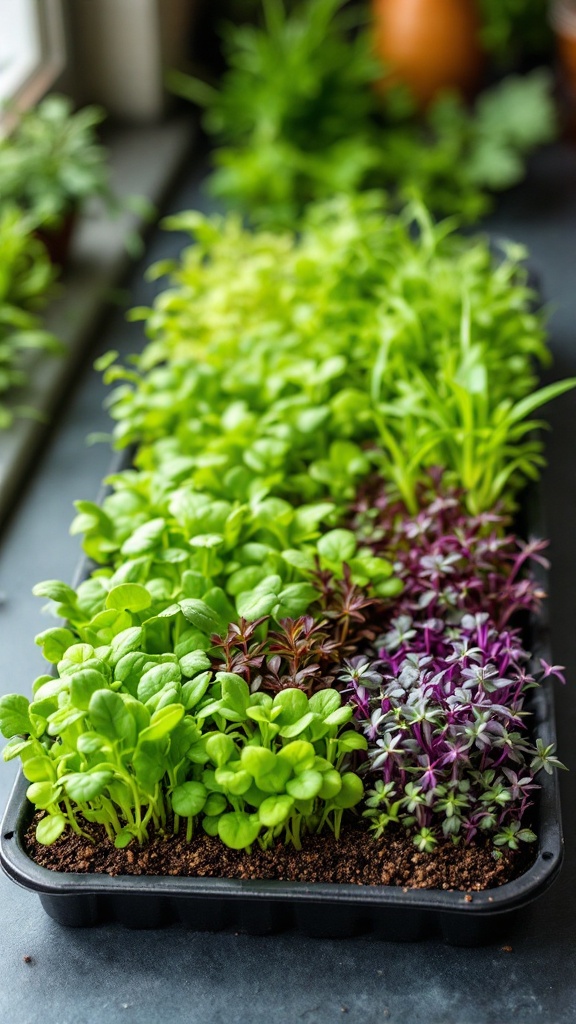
[
  {"x": 441, "y": 691},
  {"x": 443, "y": 708},
  {"x": 449, "y": 561},
  {"x": 306, "y": 652},
  {"x": 293, "y": 365},
  {"x": 25, "y": 277},
  {"x": 299, "y": 116},
  {"x": 130, "y": 739},
  {"x": 286, "y": 594}
]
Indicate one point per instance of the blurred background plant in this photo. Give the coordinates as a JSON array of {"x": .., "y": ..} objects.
[
  {"x": 26, "y": 276},
  {"x": 53, "y": 162},
  {"x": 297, "y": 115}
]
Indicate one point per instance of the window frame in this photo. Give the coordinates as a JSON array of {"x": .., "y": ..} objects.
[{"x": 51, "y": 63}]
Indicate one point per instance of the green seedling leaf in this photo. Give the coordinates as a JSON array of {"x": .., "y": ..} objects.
[
  {"x": 274, "y": 781},
  {"x": 156, "y": 678},
  {"x": 252, "y": 604},
  {"x": 288, "y": 731},
  {"x": 246, "y": 579},
  {"x": 55, "y": 590},
  {"x": 83, "y": 684},
  {"x": 62, "y": 719},
  {"x": 182, "y": 738},
  {"x": 305, "y": 786},
  {"x": 110, "y": 716},
  {"x": 149, "y": 762},
  {"x": 238, "y": 830},
  {"x": 389, "y": 588},
  {"x": 220, "y": 749},
  {"x": 50, "y": 688},
  {"x": 189, "y": 799},
  {"x": 374, "y": 568},
  {"x": 337, "y": 546},
  {"x": 300, "y": 559},
  {"x": 351, "y": 741},
  {"x": 215, "y": 804},
  {"x": 55, "y": 643},
  {"x": 124, "y": 642},
  {"x": 194, "y": 584},
  {"x": 339, "y": 717},
  {"x": 210, "y": 824},
  {"x": 235, "y": 693},
  {"x": 90, "y": 743},
  {"x": 234, "y": 782},
  {"x": 129, "y": 596},
  {"x": 295, "y": 600},
  {"x": 16, "y": 747},
  {"x": 331, "y": 785},
  {"x": 325, "y": 702},
  {"x": 123, "y": 839},
  {"x": 202, "y": 616},
  {"x": 86, "y": 786},
  {"x": 42, "y": 794},
  {"x": 145, "y": 539},
  {"x": 293, "y": 704},
  {"x": 193, "y": 663},
  {"x": 193, "y": 691},
  {"x": 44, "y": 680},
  {"x": 39, "y": 769},
  {"x": 77, "y": 654},
  {"x": 191, "y": 641},
  {"x": 275, "y": 810},
  {"x": 299, "y": 754},
  {"x": 162, "y": 723},
  {"x": 50, "y": 828},
  {"x": 209, "y": 780},
  {"x": 352, "y": 791},
  {"x": 219, "y": 601},
  {"x": 258, "y": 761},
  {"x": 14, "y": 717}
]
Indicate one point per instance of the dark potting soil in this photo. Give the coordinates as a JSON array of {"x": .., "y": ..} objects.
[{"x": 355, "y": 858}]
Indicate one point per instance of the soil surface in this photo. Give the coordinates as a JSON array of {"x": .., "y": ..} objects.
[{"x": 356, "y": 858}]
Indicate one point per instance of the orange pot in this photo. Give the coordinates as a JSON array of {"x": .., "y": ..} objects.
[
  {"x": 429, "y": 45},
  {"x": 564, "y": 23}
]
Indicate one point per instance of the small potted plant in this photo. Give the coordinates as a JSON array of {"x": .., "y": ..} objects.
[{"x": 50, "y": 165}]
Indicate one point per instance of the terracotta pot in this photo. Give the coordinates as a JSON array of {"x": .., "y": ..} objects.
[{"x": 429, "y": 45}]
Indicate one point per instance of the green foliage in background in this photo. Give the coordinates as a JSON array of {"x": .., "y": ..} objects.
[
  {"x": 26, "y": 275},
  {"x": 292, "y": 366},
  {"x": 52, "y": 161},
  {"x": 516, "y": 30},
  {"x": 297, "y": 117}
]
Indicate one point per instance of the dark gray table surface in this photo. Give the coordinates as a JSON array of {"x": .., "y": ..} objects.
[{"x": 109, "y": 974}]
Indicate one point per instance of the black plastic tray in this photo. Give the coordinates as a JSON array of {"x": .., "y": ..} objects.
[
  {"x": 263, "y": 907},
  {"x": 318, "y": 909}
]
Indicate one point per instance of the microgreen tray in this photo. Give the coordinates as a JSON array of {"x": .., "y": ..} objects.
[{"x": 264, "y": 907}]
